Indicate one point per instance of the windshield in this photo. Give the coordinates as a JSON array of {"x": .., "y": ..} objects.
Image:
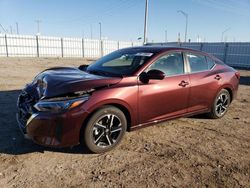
[{"x": 120, "y": 63}]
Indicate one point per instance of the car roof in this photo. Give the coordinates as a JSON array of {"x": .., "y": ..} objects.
[{"x": 157, "y": 49}]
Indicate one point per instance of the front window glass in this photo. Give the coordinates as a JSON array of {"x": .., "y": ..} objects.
[
  {"x": 120, "y": 63},
  {"x": 170, "y": 64}
]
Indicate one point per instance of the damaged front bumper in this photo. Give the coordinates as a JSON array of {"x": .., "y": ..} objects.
[
  {"x": 24, "y": 111},
  {"x": 49, "y": 129}
]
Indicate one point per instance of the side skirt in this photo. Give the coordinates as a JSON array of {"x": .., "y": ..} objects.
[{"x": 133, "y": 128}]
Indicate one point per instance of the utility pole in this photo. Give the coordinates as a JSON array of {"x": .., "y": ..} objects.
[
  {"x": 145, "y": 38},
  {"x": 166, "y": 35},
  {"x": 186, "y": 16},
  {"x": 17, "y": 29},
  {"x": 100, "y": 24},
  {"x": 223, "y": 32},
  {"x": 38, "y": 26}
]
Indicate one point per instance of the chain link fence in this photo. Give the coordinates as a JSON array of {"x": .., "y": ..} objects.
[
  {"x": 235, "y": 54},
  {"x": 45, "y": 46}
]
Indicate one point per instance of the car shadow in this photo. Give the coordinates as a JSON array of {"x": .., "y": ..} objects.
[
  {"x": 200, "y": 116},
  {"x": 11, "y": 139},
  {"x": 245, "y": 80}
]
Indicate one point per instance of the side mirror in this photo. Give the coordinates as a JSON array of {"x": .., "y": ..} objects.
[
  {"x": 155, "y": 74},
  {"x": 83, "y": 67},
  {"x": 151, "y": 75}
]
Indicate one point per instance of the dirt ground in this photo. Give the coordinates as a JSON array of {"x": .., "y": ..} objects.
[{"x": 187, "y": 152}]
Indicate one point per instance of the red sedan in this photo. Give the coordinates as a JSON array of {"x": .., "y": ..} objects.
[{"x": 128, "y": 89}]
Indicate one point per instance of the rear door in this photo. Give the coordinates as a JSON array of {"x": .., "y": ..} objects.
[
  {"x": 203, "y": 81},
  {"x": 160, "y": 99}
]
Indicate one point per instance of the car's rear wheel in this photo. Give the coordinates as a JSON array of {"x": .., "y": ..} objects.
[
  {"x": 104, "y": 130},
  {"x": 220, "y": 105}
]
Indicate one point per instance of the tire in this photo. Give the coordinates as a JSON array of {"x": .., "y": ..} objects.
[
  {"x": 220, "y": 104},
  {"x": 104, "y": 129}
]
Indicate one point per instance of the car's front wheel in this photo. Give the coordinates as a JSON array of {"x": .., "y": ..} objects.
[
  {"x": 104, "y": 130},
  {"x": 220, "y": 105}
]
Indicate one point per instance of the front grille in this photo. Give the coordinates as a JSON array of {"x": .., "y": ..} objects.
[{"x": 25, "y": 104}]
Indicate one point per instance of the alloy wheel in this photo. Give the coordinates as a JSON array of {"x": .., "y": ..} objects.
[
  {"x": 222, "y": 104},
  {"x": 106, "y": 130}
]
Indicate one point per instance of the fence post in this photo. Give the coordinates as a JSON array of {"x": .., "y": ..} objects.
[
  {"x": 62, "y": 46},
  {"x": 6, "y": 45},
  {"x": 225, "y": 53},
  {"x": 101, "y": 47},
  {"x": 83, "y": 47},
  {"x": 37, "y": 46},
  {"x": 118, "y": 45},
  {"x": 201, "y": 46}
]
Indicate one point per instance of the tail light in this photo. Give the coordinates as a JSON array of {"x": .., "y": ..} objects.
[{"x": 237, "y": 74}]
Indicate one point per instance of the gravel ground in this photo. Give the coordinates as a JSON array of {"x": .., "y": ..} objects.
[{"x": 187, "y": 152}]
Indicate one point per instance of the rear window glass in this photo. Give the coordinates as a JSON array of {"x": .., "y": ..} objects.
[
  {"x": 197, "y": 62},
  {"x": 210, "y": 62}
]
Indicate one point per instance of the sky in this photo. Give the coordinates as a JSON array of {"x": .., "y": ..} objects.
[{"x": 124, "y": 19}]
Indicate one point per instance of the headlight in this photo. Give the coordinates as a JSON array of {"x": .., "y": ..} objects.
[
  {"x": 58, "y": 106},
  {"x": 41, "y": 87}
]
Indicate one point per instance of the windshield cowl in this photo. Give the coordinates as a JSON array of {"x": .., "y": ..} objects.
[{"x": 103, "y": 73}]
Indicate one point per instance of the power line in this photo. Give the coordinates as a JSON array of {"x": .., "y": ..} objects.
[
  {"x": 235, "y": 8},
  {"x": 94, "y": 18},
  {"x": 3, "y": 28}
]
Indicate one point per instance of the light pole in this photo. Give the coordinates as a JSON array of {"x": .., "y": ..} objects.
[
  {"x": 186, "y": 16},
  {"x": 10, "y": 29},
  {"x": 145, "y": 37},
  {"x": 17, "y": 28},
  {"x": 166, "y": 35},
  {"x": 223, "y": 32},
  {"x": 100, "y": 24},
  {"x": 91, "y": 31},
  {"x": 38, "y": 26}
]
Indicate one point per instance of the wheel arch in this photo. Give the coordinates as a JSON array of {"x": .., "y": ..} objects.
[
  {"x": 230, "y": 92},
  {"x": 124, "y": 108},
  {"x": 229, "y": 88}
]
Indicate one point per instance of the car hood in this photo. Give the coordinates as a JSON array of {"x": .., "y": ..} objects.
[{"x": 63, "y": 80}]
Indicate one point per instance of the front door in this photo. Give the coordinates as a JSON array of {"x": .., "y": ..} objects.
[{"x": 161, "y": 99}]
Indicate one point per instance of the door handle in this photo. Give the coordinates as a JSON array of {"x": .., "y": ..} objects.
[
  {"x": 183, "y": 83},
  {"x": 217, "y": 77}
]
